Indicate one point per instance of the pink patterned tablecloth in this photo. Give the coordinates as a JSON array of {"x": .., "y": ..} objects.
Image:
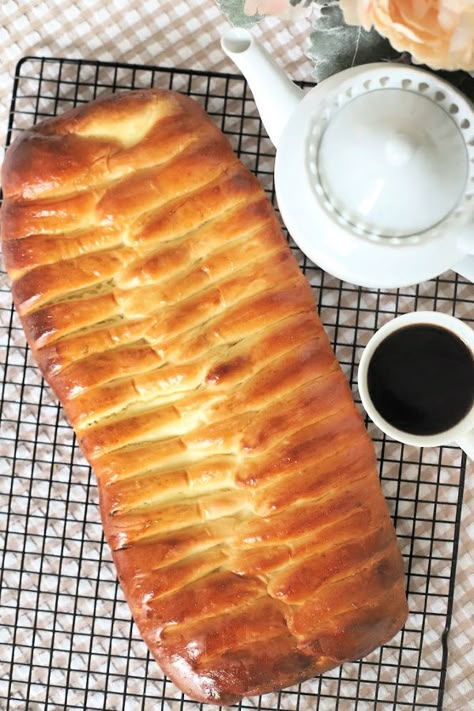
[{"x": 176, "y": 33}]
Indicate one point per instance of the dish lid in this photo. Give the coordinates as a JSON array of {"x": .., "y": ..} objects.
[
  {"x": 389, "y": 155},
  {"x": 392, "y": 162}
]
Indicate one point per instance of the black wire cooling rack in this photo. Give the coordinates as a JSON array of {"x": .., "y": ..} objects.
[{"x": 66, "y": 636}]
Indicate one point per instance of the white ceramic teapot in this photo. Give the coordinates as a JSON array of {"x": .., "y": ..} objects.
[{"x": 374, "y": 171}]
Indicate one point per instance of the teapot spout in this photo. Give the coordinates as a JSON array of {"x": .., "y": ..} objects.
[{"x": 275, "y": 95}]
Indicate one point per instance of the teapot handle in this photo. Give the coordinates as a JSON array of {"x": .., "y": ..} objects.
[
  {"x": 465, "y": 240},
  {"x": 466, "y": 442}
]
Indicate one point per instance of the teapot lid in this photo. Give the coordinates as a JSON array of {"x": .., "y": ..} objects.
[{"x": 391, "y": 162}]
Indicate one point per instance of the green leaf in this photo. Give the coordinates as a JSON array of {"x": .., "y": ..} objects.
[
  {"x": 335, "y": 46},
  {"x": 234, "y": 11}
]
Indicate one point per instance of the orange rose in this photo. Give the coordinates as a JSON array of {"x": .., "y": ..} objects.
[{"x": 439, "y": 33}]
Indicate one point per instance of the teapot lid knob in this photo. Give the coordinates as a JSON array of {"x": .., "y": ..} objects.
[{"x": 400, "y": 148}]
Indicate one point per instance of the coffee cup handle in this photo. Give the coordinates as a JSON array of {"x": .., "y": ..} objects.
[
  {"x": 466, "y": 442},
  {"x": 465, "y": 267}
]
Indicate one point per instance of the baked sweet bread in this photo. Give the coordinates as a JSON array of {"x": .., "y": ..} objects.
[{"x": 238, "y": 486}]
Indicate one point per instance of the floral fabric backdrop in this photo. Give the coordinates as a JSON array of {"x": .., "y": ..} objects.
[{"x": 332, "y": 44}]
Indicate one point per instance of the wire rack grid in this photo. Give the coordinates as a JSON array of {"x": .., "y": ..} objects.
[{"x": 67, "y": 640}]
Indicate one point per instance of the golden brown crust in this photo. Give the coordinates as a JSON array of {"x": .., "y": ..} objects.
[{"x": 237, "y": 482}]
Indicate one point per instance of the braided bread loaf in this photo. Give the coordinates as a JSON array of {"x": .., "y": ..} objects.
[{"x": 238, "y": 486}]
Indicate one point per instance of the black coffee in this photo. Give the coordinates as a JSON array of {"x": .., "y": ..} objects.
[{"x": 421, "y": 379}]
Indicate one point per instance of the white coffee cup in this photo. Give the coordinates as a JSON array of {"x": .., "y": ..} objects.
[{"x": 462, "y": 433}]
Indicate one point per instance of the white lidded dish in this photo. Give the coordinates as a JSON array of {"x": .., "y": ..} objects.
[{"x": 374, "y": 171}]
